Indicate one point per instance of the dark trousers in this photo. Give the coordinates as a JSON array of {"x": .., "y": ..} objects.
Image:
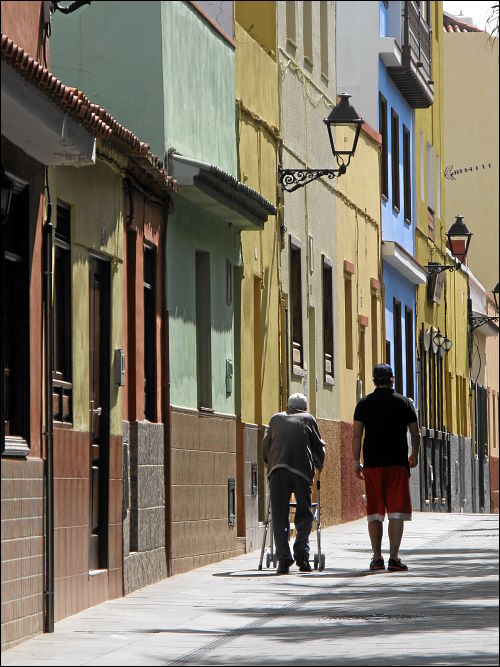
[{"x": 282, "y": 483}]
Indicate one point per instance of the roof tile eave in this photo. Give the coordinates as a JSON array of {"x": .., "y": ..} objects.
[{"x": 74, "y": 102}]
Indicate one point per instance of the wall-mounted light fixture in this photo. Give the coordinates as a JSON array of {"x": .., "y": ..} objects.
[
  {"x": 441, "y": 340},
  {"x": 342, "y": 114},
  {"x": 459, "y": 238}
]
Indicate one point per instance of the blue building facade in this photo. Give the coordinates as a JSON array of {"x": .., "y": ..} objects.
[{"x": 397, "y": 101}]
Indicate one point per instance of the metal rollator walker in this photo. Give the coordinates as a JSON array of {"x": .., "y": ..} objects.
[{"x": 319, "y": 558}]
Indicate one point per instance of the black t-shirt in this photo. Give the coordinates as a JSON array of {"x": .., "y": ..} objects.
[{"x": 385, "y": 416}]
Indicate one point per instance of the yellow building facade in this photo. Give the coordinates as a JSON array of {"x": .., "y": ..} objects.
[
  {"x": 262, "y": 388},
  {"x": 361, "y": 309},
  {"x": 443, "y": 388}
]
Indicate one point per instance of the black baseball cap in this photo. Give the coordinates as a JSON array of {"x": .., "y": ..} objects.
[{"x": 382, "y": 372}]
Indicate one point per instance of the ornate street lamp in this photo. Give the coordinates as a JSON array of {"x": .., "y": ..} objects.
[
  {"x": 6, "y": 196},
  {"x": 459, "y": 238},
  {"x": 342, "y": 114},
  {"x": 441, "y": 340},
  {"x": 496, "y": 291}
]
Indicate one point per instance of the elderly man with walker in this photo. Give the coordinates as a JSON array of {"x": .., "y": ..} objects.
[{"x": 292, "y": 449}]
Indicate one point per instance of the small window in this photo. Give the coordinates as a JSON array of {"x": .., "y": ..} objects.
[
  {"x": 382, "y": 124},
  {"x": 203, "y": 331},
  {"x": 62, "y": 373},
  {"x": 395, "y": 159},
  {"x": 374, "y": 321},
  {"x": 328, "y": 321},
  {"x": 296, "y": 304},
  {"x": 229, "y": 283},
  {"x": 430, "y": 177},
  {"x": 438, "y": 187},
  {"x": 14, "y": 312},
  {"x": 307, "y": 27},
  {"x": 410, "y": 390},
  {"x": 398, "y": 349},
  {"x": 291, "y": 33},
  {"x": 149, "y": 333},
  {"x": 348, "y": 322},
  {"x": 323, "y": 27},
  {"x": 422, "y": 168},
  {"x": 407, "y": 173}
]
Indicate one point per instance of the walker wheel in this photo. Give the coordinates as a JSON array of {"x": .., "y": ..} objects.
[
  {"x": 322, "y": 562},
  {"x": 316, "y": 562},
  {"x": 275, "y": 560},
  {"x": 268, "y": 559}
]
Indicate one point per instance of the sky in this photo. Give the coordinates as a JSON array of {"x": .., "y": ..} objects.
[{"x": 479, "y": 11}]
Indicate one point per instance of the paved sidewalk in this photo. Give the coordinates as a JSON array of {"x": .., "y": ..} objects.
[{"x": 444, "y": 611}]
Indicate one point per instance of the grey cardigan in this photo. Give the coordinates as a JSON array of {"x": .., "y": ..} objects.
[{"x": 293, "y": 442}]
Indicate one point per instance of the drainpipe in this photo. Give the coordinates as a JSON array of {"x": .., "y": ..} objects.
[
  {"x": 49, "y": 426},
  {"x": 165, "y": 393}
]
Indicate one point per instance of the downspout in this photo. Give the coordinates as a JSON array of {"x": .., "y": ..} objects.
[
  {"x": 165, "y": 392},
  {"x": 49, "y": 425}
]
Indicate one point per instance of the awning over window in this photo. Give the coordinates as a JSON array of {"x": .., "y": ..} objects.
[
  {"x": 401, "y": 260},
  {"x": 220, "y": 193},
  {"x": 41, "y": 128}
]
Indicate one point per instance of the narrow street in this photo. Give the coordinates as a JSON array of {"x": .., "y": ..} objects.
[{"x": 444, "y": 611}]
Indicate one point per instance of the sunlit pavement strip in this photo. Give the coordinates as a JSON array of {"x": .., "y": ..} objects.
[{"x": 444, "y": 611}]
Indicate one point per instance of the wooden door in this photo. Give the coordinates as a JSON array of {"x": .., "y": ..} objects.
[{"x": 99, "y": 371}]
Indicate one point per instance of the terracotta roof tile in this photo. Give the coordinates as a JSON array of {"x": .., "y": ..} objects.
[
  {"x": 453, "y": 24},
  {"x": 93, "y": 117}
]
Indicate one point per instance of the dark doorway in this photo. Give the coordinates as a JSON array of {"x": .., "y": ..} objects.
[{"x": 99, "y": 411}]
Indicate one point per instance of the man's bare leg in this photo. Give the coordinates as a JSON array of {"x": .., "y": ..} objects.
[
  {"x": 375, "y": 531},
  {"x": 396, "y": 527}
]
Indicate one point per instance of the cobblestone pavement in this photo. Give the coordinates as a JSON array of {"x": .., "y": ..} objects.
[{"x": 444, "y": 611}]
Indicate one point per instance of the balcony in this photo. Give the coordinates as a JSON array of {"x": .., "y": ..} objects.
[{"x": 413, "y": 75}]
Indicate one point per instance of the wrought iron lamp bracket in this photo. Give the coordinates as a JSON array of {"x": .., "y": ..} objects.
[
  {"x": 434, "y": 269},
  {"x": 293, "y": 179},
  {"x": 477, "y": 321}
]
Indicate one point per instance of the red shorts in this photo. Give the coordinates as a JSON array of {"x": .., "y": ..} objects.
[{"x": 387, "y": 488}]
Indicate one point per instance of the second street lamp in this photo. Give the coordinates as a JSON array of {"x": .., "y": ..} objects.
[
  {"x": 342, "y": 114},
  {"x": 459, "y": 238}
]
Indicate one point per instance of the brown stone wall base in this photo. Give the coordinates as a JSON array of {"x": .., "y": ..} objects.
[
  {"x": 22, "y": 549},
  {"x": 331, "y": 486},
  {"x": 75, "y": 588},
  {"x": 353, "y": 489},
  {"x": 203, "y": 458}
]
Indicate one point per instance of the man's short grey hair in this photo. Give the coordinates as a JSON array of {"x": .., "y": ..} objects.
[{"x": 297, "y": 402}]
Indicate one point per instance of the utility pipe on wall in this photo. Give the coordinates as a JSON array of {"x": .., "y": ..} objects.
[{"x": 49, "y": 425}]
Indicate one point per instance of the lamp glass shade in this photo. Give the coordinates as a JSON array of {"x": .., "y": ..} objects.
[
  {"x": 459, "y": 238},
  {"x": 496, "y": 291},
  {"x": 438, "y": 338},
  {"x": 344, "y": 114},
  {"x": 447, "y": 344},
  {"x": 6, "y": 195}
]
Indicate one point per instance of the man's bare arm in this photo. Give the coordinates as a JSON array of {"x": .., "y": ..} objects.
[
  {"x": 357, "y": 433},
  {"x": 415, "y": 444}
]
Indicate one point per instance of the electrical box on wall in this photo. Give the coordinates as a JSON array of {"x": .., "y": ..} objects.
[
  {"x": 229, "y": 376},
  {"x": 119, "y": 363},
  {"x": 254, "y": 477}
]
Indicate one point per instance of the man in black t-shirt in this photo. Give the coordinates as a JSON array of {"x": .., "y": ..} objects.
[{"x": 385, "y": 417}]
